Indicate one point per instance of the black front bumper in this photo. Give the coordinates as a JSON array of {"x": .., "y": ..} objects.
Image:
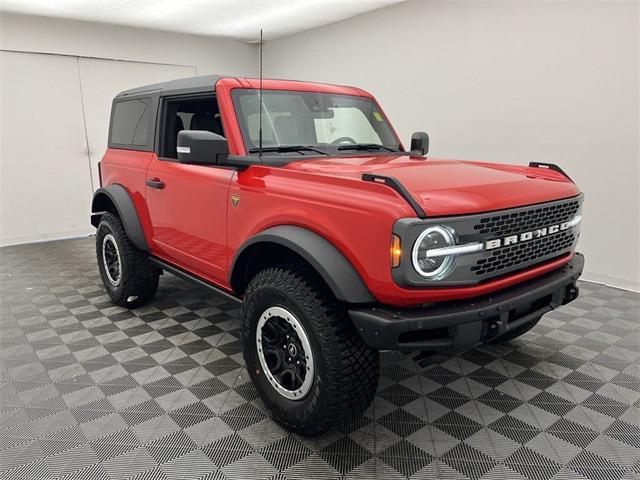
[{"x": 460, "y": 325}]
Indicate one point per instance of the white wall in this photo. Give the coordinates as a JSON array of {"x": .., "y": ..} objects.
[
  {"x": 42, "y": 192},
  {"x": 72, "y": 37},
  {"x": 506, "y": 81},
  {"x": 57, "y": 80}
]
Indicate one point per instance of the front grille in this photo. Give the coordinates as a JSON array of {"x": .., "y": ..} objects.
[
  {"x": 523, "y": 253},
  {"x": 501, "y": 225},
  {"x": 513, "y": 257},
  {"x": 488, "y": 260}
]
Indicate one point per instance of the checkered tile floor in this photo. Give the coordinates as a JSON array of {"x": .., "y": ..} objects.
[{"x": 94, "y": 391}]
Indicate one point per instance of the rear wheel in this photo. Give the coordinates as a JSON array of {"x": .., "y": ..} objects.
[
  {"x": 128, "y": 276},
  {"x": 309, "y": 365}
]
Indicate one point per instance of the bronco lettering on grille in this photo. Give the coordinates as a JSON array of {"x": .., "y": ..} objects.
[{"x": 533, "y": 234}]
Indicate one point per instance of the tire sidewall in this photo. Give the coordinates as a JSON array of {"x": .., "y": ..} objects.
[
  {"x": 255, "y": 304},
  {"x": 104, "y": 229}
]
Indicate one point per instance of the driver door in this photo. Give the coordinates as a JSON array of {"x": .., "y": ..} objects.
[{"x": 188, "y": 203}]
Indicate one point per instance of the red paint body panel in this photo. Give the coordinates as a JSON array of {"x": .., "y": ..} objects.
[
  {"x": 357, "y": 218},
  {"x": 454, "y": 187},
  {"x": 359, "y": 224},
  {"x": 191, "y": 223},
  {"x": 189, "y": 216},
  {"x": 128, "y": 168}
]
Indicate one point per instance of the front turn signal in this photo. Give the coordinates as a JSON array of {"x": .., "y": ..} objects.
[{"x": 396, "y": 251}]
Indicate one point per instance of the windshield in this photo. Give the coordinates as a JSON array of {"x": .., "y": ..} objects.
[{"x": 309, "y": 123}]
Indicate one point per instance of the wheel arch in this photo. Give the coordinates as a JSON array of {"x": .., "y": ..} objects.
[
  {"x": 115, "y": 199},
  {"x": 278, "y": 244}
]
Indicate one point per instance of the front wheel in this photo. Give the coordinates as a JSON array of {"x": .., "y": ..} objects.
[{"x": 309, "y": 365}]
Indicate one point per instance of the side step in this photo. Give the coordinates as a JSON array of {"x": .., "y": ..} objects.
[{"x": 178, "y": 272}]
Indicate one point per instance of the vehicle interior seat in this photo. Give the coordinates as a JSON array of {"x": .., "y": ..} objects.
[
  {"x": 173, "y": 141},
  {"x": 179, "y": 125},
  {"x": 286, "y": 131},
  {"x": 207, "y": 121}
]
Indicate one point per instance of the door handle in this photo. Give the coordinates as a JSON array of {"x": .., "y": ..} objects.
[{"x": 155, "y": 183}]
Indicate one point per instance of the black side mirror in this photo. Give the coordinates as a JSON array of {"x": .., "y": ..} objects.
[
  {"x": 201, "y": 147},
  {"x": 420, "y": 143}
]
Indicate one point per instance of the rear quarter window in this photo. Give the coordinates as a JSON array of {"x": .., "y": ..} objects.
[{"x": 130, "y": 124}]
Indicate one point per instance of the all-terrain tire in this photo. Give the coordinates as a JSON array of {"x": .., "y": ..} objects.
[
  {"x": 345, "y": 369},
  {"x": 138, "y": 277}
]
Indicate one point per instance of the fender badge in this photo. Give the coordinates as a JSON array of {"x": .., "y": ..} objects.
[{"x": 235, "y": 200}]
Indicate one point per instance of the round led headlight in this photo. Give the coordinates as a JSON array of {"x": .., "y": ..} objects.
[{"x": 432, "y": 238}]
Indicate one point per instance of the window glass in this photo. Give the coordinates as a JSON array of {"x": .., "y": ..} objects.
[
  {"x": 321, "y": 120},
  {"x": 348, "y": 122},
  {"x": 131, "y": 123},
  {"x": 187, "y": 114}
]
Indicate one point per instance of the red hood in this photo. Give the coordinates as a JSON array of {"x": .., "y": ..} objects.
[{"x": 453, "y": 187}]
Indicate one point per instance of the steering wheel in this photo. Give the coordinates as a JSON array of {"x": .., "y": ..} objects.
[{"x": 340, "y": 140}]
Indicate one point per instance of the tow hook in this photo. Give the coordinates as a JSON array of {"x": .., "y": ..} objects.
[
  {"x": 570, "y": 293},
  {"x": 426, "y": 358}
]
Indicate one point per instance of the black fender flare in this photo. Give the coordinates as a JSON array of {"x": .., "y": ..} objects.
[
  {"x": 341, "y": 277},
  {"x": 117, "y": 195}
]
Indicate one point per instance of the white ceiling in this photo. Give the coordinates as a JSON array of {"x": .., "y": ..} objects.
[{"x": 239, "y": 19}]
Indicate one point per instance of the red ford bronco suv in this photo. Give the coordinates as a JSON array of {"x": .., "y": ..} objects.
[{"x": 300, "y": 201}]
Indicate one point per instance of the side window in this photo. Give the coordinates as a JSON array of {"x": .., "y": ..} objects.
[
  {"x": 130, "y": 123},
  {"x": 178, "y": 114}
]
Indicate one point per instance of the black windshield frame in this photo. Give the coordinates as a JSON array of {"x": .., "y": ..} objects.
[{"x": 387, "y": 137}]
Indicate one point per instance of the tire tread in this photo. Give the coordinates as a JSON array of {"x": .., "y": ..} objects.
[
  {"x": 353, "y": 367},
  {"x": 139, "y": 278}
]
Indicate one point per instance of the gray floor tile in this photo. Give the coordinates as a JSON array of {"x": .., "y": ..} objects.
[{"x": 91, "y": 390}]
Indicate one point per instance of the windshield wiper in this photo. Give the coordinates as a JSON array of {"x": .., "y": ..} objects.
[
  {"x": 288, "y": 148},
  {"x": 366, "y": 146}
]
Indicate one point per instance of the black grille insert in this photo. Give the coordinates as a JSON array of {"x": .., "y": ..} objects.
[
  {"x": 509, "y": 258},
  {"x": 509, "y": 223},
  {"x": 524, "y": 253}
]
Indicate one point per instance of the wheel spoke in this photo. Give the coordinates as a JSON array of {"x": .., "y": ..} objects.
[
  {"x": 274, "y": 360},
  {"x": 285, "y": 355},
  {"x": 288, "y": 379},
  {"x": 272, "y": 333},
  {"x": 296, "y": 374},
  {"x": 281, "y": 378},
  {"x": 111, "y": 259}
]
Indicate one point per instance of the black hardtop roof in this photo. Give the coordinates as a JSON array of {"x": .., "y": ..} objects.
[{"x": 201, "y": 83}]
